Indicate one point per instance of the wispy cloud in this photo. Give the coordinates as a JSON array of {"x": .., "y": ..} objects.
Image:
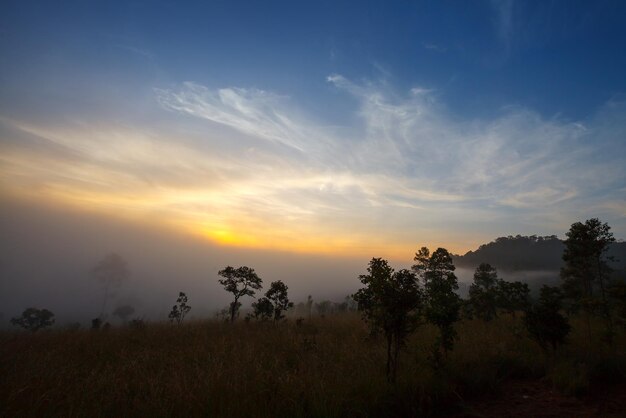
[
  {"x": 254, "y": 112},
  {"x": 262, "y": 171},
  {"x": 504, "y": 23}
]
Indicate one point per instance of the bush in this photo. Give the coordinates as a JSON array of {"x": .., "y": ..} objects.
[{"x": 34, "y": 319}]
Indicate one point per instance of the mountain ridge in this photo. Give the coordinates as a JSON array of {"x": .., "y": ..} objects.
[{"x": 530, "y": 253}]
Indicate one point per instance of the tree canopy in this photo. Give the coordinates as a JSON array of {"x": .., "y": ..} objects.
[
  {"x": 442, "y": 304},
  {"x": 241, "y": 281},
  {"x": 390, "y": 302},
  {"x": 34, "y": 319}
]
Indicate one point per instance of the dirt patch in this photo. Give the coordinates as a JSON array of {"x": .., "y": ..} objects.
[{"x": 535, "y": 398}]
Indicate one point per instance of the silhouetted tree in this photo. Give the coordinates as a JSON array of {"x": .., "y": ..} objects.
[
  {"x": 34, "y": 319},
  {"x": 513, "y": 296},
  {"x": 467, "y": 309},
  {"x": 442, "y": 304},
  {"x": 180, "y": 310},
  {"x": 390, "y": 302},
  {"x": 277, "y": 295},
  {"x": 124, "y": 312},
  {"x": 273, "y": 304},
  {"x": 617, "y": 292},
  {"x": 96, "y": 323},
  {"x": 262, "y": 309},
  {"x": 586, "y": 267},
  {"x": 544, "y": 321},
  {"x": 483, "y": 292},
  {"x": 112, "y": 271},
  {"x": 241, "y": 281}
]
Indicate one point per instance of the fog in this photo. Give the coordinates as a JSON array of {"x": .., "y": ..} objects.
[
  {"x": 47, "y": 255},
  {"x": 534, "y": 278}
]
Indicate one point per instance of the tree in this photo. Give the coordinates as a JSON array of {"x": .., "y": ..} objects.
[
  {"x": 277, "y": 295},
  {"x": 586, "y": 268},
  {"x": 111, "y": 271},
  {"x": 34, "y": 319},
  {"x": 124, "y": 312},
  {"x": 484, "y": 291},
  {"x": 180, "y": 310},
  {"x": 617, "y": 292},
  {"x": 442, "y": 304},
  {"x": 390, "y": 302},
  {"x": 512, "y": 296},
  {"x": 262, "y": 309},
  {"x": 273, "y": 304},
  {"x": 241, "y": 281},
  {"x": 544, "y": 322}
]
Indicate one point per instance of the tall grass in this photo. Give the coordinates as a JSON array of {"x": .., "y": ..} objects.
[{"x": 325, "y": 367}]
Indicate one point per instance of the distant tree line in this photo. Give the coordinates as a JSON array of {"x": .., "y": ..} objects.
[{"x": 523, "y": 253}]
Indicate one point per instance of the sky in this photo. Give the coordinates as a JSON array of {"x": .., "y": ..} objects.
[{"x": 342, "y": 129}]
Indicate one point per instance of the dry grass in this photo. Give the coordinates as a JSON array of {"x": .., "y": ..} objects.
[{"x": 321, "y": 368}]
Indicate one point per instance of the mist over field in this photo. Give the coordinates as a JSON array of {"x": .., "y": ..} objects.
[{"x": 47, "y": 256}]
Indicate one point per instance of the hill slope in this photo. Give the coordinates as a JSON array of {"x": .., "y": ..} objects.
[{"x": 517, "y": 253}]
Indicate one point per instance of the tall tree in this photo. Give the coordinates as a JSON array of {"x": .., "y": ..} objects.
[
  {"x": 390, "y": 302},
  {"x": 586, "y": 269},
  {"x": 484, "y": 291},
  {"x": 442, "y": 304},
  {"x": 111, "y": 271},
  {"x": 241, "y": 281}
]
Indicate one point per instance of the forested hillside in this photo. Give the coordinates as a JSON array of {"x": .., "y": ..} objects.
[{"x": 515, "y": 253}]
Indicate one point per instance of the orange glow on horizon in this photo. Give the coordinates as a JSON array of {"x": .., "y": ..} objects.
[{"x": 246, "y": 233}]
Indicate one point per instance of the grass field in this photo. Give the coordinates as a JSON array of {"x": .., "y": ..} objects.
[{"x": 325, "y": 367}]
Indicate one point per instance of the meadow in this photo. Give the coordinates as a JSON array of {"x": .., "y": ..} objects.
[{"x": 319, "y": 367}]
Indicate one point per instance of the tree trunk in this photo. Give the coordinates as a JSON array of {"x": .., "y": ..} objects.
[
  {"x": 233, "y": 309},
  {"x": 396, "y": 350},
  {"x": 605, "y": 304},
  {"x": 389, "y": 341}
]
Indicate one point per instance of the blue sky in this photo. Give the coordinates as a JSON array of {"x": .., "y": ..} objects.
[{"x": 261, "y": 123}]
